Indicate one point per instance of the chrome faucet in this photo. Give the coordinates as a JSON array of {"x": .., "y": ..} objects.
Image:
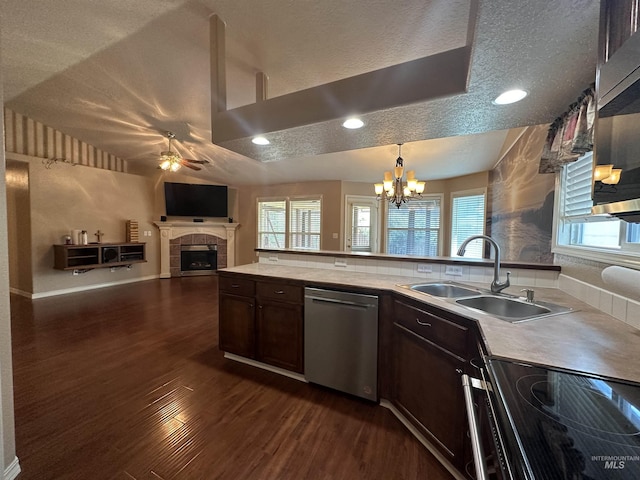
[{"x": 496, "y": 285}]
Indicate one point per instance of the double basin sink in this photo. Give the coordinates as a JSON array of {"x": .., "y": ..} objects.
[{"x": 505, "y": 307}]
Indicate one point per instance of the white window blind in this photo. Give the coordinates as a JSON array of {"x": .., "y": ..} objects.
[
  {"x": 413, "y": 229},
  {"x": 304, "y": 223},
  {"x": 361, "y": 228},
  {"x": 577, "y": 189},
  {"x": 467, "y": 218},
  {"x": 272, "y": 226}
]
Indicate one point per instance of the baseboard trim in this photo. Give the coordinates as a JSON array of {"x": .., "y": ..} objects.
[
  {"x": 264, "y": 366},
  {"x": 428, "y": 445},
  {"x": 13, "y": 470},
  {"x": 22, "y": 293},
  {"x": 84, "y": 288}
]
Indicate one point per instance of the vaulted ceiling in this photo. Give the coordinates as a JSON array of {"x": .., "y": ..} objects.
[{"x": 118, "y": 74}]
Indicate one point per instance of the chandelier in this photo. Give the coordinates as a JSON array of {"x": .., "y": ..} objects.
[
  {"x": 170, "y": 160},
  {"x": 394, "y": 189}
]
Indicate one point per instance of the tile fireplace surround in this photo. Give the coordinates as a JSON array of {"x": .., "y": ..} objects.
[{"x": 176, "y": 233}]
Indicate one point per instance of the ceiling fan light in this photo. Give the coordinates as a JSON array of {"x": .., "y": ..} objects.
[
  {"x": 165, "y": 165},
  {"x": 175, "y": 166}
]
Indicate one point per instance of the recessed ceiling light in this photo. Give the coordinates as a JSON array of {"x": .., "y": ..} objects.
[
  {"x": 510, "y": 96},
  {"x": 260, "y": 141},
  {"x": 353, "y": 123}
]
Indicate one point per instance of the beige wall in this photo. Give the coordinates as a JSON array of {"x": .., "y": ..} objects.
[
  {"x": 7, "y": 425},
  {"x": 64, "y": 198},
  {"x": 333, "y": 215},
  {"x": 19, "y": 227},
  {"x": 330, "y": 191}
]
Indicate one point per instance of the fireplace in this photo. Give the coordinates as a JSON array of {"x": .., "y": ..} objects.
[{"x": 198, "y": 259}]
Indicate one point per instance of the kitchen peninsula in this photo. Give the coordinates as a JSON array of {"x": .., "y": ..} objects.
[{"x": 425, "y": 340}]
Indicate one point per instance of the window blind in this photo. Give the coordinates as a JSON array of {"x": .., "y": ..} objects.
[
  {"x": 304, "y": 223},
  {"x": 361, "y": 229},
  {"x": 272, "y": 223},
  {"x": 577, "y": 200},
  {"x": 467, "y": 218},
  {"x": 413, "y": 229}
]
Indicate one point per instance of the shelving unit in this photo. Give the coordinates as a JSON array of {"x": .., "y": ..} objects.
[{"x": 98, "y": 255}]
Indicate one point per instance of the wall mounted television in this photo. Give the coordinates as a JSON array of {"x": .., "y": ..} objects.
[{"x": 195, "y": 200}]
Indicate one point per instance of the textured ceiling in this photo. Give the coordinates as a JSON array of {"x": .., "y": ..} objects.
[{"x": 117, "y": 74}]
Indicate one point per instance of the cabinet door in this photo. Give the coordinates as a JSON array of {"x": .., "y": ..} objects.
[
  {"x": 428, "y": 391},
  {"x": 279, "y": 332},
  {"x": 236, "y": 319}
]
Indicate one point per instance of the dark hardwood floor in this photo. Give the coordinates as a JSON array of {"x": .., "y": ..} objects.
[{"x": 127, "y": 382}]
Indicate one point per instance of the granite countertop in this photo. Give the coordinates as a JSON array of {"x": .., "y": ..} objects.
[{"x": 585, "y": 339}]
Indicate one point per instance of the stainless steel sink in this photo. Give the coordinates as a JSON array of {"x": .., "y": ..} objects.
[
  {"x": 511, "y": 309},
  {"x": 444, "y": 289}
]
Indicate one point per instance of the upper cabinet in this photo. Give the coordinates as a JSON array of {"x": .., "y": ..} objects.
[{"x": 618, "y": 22}]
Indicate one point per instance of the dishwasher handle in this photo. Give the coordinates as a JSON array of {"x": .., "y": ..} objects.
[
  {"x": 474, "y": 428},
  {"x": 338, "y": 302}
]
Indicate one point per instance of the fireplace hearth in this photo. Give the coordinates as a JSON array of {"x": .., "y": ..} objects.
[{"x": 198, "y": 259}]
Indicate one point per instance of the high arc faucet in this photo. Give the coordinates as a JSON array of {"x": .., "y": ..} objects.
[{"x": 496, "y": 285}]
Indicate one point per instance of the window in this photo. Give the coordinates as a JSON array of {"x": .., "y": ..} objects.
[
  {"x": 414, "y": 228},
  {"x": 578, "y": 229},
  {"x": 289, "y": 223},
  {"x": 304, "y": 224},
  {"x": 467, "y": 218}
]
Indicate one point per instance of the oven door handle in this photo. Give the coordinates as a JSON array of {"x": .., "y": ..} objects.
[{"x": 474, "y": 426}]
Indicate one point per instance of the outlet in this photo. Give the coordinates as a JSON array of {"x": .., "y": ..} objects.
[
  {"x": 424, "y": 268},
  {"x": 273, "y": 258},
  {"x": 453, "y": 270},
  {"x": 340, "y": 262},
  {"x": 75, "y": 272}
]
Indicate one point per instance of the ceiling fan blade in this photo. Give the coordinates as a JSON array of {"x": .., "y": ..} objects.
[
  {"x": 200, "y": 162},
  {"x": 188, "y": 165}
]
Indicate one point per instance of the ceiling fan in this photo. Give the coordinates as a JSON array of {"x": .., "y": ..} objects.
[{"x": 170, "y": 160}]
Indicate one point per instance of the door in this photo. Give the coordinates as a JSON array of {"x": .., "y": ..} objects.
[{"x": 361, "y": 224}]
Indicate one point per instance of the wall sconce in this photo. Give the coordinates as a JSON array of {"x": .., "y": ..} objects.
[{"x": 606, "y": 174}]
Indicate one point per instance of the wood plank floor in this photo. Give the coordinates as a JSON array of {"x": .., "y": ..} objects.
[{"x": 128, "y": 383}]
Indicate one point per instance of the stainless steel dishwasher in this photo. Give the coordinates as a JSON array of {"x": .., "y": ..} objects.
[{"x": 341, "y": 341}]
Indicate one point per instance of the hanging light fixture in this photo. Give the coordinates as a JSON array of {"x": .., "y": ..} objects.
[
  {"x": 170, "y": 160},
  {"x": 395, "y": 189}
]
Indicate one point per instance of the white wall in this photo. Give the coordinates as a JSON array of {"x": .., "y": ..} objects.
[{"x": 8, "y": 461}]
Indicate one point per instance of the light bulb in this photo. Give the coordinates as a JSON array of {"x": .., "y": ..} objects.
[
  {"x": 388, "y": 185},
  {"x": 420, "y": 187},
  {"x": 614, "y": 178},
  {"x": 412, "y": 184},
  {"x": 602, "y": 171},
  {"x": 379, "y": 188}
]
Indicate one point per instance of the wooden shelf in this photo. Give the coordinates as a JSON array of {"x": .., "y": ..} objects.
[{"x": 98, "y": 255}]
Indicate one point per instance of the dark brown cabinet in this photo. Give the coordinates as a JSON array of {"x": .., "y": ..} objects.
[
  {"x": 430, "y": 353},
  {"x": 262, "y": 320},
  {"x": 618, "y": 22}
]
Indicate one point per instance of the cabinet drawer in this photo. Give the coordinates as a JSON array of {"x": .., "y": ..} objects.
[
  {"x": 237, "y": 286},
  {"x": 280, "y": 291},
  {"x": 443, "y": 333}
]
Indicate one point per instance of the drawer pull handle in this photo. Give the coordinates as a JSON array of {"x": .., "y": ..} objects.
[
  {"x": 279, "y": 292},
  {"x": 235, "y": 285},
  {"x": 424, "y": 324}
]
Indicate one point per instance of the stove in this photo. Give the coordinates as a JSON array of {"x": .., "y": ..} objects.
[{"x": 559, "y": 424}]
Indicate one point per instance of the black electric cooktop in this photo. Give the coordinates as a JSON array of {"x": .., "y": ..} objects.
[{"x": 566, "y": 425}]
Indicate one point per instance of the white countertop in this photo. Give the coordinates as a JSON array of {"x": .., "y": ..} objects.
[{"x": 585, "y": 339}]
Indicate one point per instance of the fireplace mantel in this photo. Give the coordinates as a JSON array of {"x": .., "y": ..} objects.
[{"x": 171, "y": 230}]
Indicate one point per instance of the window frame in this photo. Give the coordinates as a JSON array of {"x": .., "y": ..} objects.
[
  {"x": 461, "y": 194},
  {"x": 287, "y": 233},
  {"x": 626, "y": 254},
  {"x": 385, "y": 234}
]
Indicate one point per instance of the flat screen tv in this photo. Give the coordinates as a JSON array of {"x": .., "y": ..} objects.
[{"x": 194, "y": 200}]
